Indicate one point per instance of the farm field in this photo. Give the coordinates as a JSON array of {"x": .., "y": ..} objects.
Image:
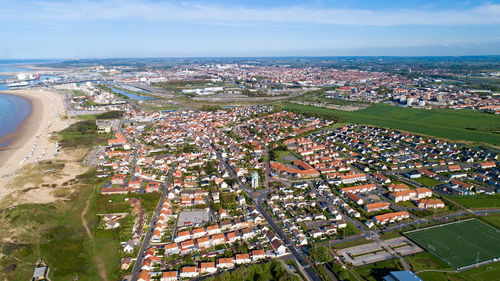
[
  {"x": 465, "y": 125},
  {"x": 460, "y": 244}
]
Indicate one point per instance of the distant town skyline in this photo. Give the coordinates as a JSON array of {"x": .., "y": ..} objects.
[{"x": 221, "y": 28}]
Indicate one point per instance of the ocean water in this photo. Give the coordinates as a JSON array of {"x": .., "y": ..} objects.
[{"x": 13, "y": 110}]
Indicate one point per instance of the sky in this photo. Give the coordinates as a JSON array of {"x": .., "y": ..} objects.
[{"x": 75, "y": 29}]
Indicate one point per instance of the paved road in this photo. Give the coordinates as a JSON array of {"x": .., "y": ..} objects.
[{"x": 154, "y": 219}]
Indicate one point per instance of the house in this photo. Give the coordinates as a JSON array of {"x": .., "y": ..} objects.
[
  {"x": 144, "y": 275},
  {"x": 430, "y": 204},
  {"x": 242, "y": 258},
  {"x": 169, "y": 276},
  {"x": 404, "y": 195},
  {"x": 316, "y": 233},
  {"x": 182, "y": 236},
  {"x": 258, "y": 254},
  {"x": 203, "y": 242},
  {"x": 171, "y": 248},
  {"x": 397, "y": 187},
  {"x": 129, "y": 247},
  {"x": 423, "y": 192},
  {"x": 118, "y": 179},
  {"x": 390, "y": 217},
  {"x": 354, "y": 198},
  {"x": 378, "y": 206},
  {"x": 359, "y": 188},
  {"x": 487, "y": 165},
  {"x": 225, "y": 262},
  {"x": 135, "y": 183},
  {"x": 189, "y": 272},
  {"x": 278, "y": 247},
  {"x": 213, "y": 229},
  {"x": 207, "y": 267},
  {"x": 199, "y": 232},
  {"x": 153, "y": 187},
  {"x": 125, "y": 264},
  {"x": 218, "y": 239}
]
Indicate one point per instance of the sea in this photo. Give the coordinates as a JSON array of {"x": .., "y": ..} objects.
[{"x": 13, "y": 110}]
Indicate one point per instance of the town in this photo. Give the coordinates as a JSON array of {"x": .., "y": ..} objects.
[
  {"x": 248, "y": 184},
  {"x": 216, "y": 170}
]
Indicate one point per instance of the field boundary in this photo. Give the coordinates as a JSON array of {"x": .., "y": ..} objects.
[{"x": 439, "y": 225}]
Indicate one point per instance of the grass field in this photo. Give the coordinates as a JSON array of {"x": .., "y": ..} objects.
[
  {"x": 493, "y": 220},
  {"x": 451, "y": 124},
  {"x": 377, "y": 271},
  {"x": 477, "y": 201},
  {"x": 460, "y": 244},
  {"x": 428, "y": 181},
  {"x": 489, "y": 272}
]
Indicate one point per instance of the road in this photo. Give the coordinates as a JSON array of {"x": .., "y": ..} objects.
[{"x": 154, "y": 219}]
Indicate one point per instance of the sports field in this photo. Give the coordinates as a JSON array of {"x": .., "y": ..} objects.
[{"x": 460, "y": 244}]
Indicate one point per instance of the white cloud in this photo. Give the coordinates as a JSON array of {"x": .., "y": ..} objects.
[{"x": 51, "y": 12}]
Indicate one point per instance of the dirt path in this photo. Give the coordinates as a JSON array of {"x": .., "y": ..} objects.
[{"x": 97, "y": 258}]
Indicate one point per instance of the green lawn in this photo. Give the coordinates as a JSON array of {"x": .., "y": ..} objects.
[
  {"x": 451, "y": 124},
  {"x": 460, "y": 244},
  {"x": 426, "y": 261},
  {"x": 428, "y": 181},
  {"x": 477, "y": 201}
]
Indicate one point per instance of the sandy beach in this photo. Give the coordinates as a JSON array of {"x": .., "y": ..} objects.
[{"x": 31, "y": 142}]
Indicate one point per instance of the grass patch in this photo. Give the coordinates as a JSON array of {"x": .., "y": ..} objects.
[
  {"x": 82, "y": 134},
  {"x": 358, "y": 242},
  {"x": 116, "y": 203},
  {"x": 377, "y": 271},
  {"x": 493, "y": 220},
  {"x": 426, "y": 261},
  {"x": 428, "y": 181},
  {"x": 487, "y": 272},
  {"x": 271, "y": 271}
]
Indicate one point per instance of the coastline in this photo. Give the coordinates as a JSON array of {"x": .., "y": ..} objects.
[{"x": 46, "y": 108}]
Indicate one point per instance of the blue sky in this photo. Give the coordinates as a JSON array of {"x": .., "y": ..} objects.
[{"x": 157, "y": 28}]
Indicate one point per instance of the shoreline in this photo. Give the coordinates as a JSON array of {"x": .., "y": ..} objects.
[
  {"x": 47, "y": 108},
  {"x": 24, "y": 131}
]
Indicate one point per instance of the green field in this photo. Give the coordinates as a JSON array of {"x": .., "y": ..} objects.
[
  {"x": 428, "y": 181},
  {"x": 477, "y": 201},
  {"x": 460, "y": 244},
  {"x": 465, "y": 125}
]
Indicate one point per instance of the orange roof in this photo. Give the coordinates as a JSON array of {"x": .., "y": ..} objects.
[
  {"x": 169, "y": 274},
  {"x": 242, "y": 256},
  {"x": 187, "y": 269},
  {"x": 402, "y": 193},
  {"x": 391, "y": 215},
  {"x": 207, "y": 264},
  {"x": 377, "y": 205}
]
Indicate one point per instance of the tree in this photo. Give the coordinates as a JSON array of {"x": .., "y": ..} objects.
[{"x": 320, "y": 254}]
